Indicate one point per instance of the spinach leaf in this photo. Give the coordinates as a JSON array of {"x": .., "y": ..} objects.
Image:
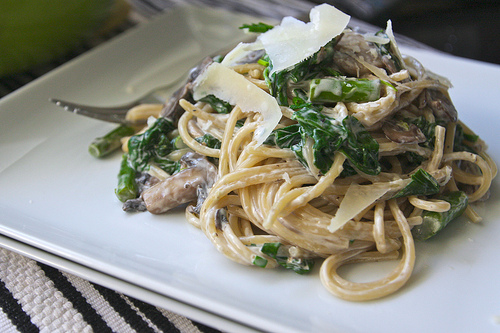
[
  {"x": 349, "y": 137},
  {"x": 288, "y": 137},
  {"x": 167, "y": 165},
  {"x": 319, "y": 64},
  {"x": 278, "y": 85},
  {"x": 322, "y": 128},
  {"x": 281, "y": 254},
  {"x": 300, "y": 100},
  {"x": 428, "y": 129},
  {"x": 217, "y": 104},
  {"x": 209, "y": 140},
  {"x": 257, "y": 27},
  {"x": 462, "y": 139},
  {"x": 328, "y": 136},
  {"x": 360, "y": 148},
  {"x": 410, "y": 160},
  {"x": 422, "y": 183},
  {"x": 151, "y": 146}
]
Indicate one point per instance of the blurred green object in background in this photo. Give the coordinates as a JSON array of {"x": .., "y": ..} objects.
[{"x": 34, "y": 32}]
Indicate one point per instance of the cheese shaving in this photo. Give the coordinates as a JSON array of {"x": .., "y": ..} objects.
[
  {"x": 394, "y": 45},
  {"x": 356, "y": 199},
  {"x": 234, "y": 88},
  {"x": 293, "y": 40}
]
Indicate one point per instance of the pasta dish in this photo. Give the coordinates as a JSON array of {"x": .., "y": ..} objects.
[{"x": 313, "y": 144}]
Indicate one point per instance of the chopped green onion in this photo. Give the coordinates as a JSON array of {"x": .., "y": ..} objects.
[
  {"x": 259, "y": 261},
  {"x": 263, "y": 62}
]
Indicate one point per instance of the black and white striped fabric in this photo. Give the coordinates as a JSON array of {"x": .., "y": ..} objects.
[{"x": 35, "y": 297}]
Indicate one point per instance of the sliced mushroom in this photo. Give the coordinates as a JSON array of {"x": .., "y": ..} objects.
[
  {"x": 353, "y": 45},
  {"x": 441, "y": 105},
  {"x": 402, "y": 132},
  {"x": 172, "y": 109},
  {"x": 134, "y": 205},
  {"x": 194, "y": 128},
  {"x": 201, "y": 195},
  {"x": 251, "y": 57},
  {"x": 389, "y": 64},
  {"x": 144, "y": 181},
  {"x": 181, "y": 187},
  {"x": 417, "y": 70},
  {"x": 221, "y": 218}
]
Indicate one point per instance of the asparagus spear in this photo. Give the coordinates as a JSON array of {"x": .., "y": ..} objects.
[
  {"x": 433, "y": 222},
  {"x": 127, "y": 187},
  {"x": 108, "y": 143},
  {"x": 329, "y": 90}
]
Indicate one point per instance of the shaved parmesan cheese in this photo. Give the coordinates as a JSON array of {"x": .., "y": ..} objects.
[
  {"x": 293, "y": 40},
  {"x": 356, "y": 199},
  {"x": 241, "y": 51},
  {"x": 394, "y": 45},
  {"x": 234, "y": 88},
  {"x": 370, "y": 37}
]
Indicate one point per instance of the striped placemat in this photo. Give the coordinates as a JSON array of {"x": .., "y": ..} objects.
[{"x": 35, "y": 297}]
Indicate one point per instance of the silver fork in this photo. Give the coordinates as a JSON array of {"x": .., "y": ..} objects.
[{"x": 117, "y": 114}]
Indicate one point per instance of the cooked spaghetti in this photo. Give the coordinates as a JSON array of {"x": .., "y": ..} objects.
[{"x": 365, "y": 156}]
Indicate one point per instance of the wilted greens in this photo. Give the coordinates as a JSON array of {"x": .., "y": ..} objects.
[{"x": 281, "y": 254}]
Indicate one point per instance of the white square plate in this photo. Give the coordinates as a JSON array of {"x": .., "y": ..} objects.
[{"x": 59, "y": 200}]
